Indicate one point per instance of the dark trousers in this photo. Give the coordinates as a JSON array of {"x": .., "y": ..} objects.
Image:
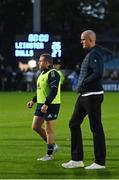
[{"x": 91, "y": 106}]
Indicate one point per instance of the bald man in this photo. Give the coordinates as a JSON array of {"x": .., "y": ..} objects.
[{"x": 88, "y": 103}]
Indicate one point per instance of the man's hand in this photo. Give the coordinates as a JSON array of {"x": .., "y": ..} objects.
[
  {"x": 44, "y": 108},
  {"x": 30, "y": 104}
]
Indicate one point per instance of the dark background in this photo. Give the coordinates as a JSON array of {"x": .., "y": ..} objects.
[{"x": 65, "y": 18}]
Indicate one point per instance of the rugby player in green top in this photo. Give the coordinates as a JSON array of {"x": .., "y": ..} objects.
[{"x": 48, "y": 104}]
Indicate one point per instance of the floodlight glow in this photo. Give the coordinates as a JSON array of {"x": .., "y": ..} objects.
[{"x": 32, "y": 63}]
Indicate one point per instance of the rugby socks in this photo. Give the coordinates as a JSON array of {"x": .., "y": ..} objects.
[{"x": 50, "y": 149}]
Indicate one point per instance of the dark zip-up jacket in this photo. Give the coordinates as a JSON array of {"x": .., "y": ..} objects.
[{"x": 91, "y": 72}]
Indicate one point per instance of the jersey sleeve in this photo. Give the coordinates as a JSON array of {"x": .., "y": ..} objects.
[
  {"x": 53, "y": 81},
  {"x": 34, "y": 99}
]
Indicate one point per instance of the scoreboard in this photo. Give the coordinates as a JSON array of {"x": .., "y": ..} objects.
[{"x": 28, "y": 46}]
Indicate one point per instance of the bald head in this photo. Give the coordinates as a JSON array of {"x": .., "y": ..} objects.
[
  {"x": 88, "y": 39},
  {"x": 90, "y": 34}
]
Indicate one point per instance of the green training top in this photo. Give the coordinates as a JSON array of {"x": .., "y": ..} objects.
[{"x": 43, "y": 89}]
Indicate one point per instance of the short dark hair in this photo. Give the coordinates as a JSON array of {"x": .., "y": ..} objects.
[{"x": 47, "y": 57}]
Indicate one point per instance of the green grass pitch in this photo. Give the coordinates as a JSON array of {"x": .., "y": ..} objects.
[{"x": 20, "y": 146}]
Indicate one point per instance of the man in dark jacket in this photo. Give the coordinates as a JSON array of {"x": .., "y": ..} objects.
[{"x": 88, "y": 103}]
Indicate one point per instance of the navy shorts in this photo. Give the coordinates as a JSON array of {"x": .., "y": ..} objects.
[{"x": 51, "y": 114}]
